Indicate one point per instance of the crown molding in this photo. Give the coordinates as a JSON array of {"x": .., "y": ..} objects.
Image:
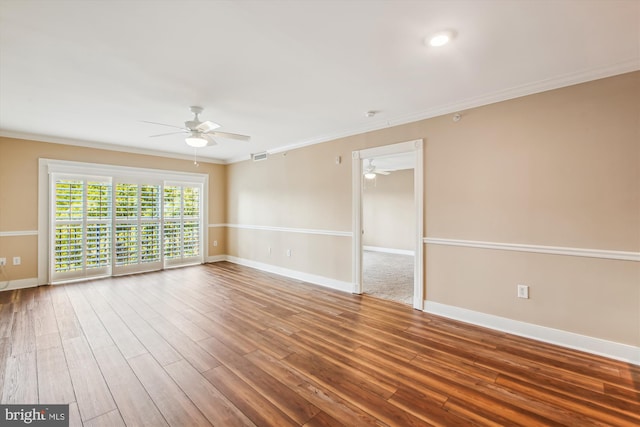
[
  {"x": 104, "y": 146},
  {"x": 532, "y": 88},
  {"x": 539, "y": 86},
  {"x": 242, "y": 158}
]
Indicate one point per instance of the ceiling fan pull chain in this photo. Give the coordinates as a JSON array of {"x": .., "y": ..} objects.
[{"x": 195, "y": 157}]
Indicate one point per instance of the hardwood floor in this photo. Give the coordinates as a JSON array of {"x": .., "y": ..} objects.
[{"x": 226, "y": 345}]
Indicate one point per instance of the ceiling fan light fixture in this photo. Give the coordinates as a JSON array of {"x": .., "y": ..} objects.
[
  {"x": 196, "y": 141},
  {"x": 369, "y": 175}
]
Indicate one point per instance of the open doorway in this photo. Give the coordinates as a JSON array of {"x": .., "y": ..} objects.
[
  {"x": 365, "y": 162},
  {"x": 388, "y": 221}
]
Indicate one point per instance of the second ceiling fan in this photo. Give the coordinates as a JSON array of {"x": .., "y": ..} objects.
[{"x": 370, "y": 171}]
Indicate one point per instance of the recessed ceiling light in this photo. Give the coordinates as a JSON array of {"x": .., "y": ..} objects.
[{"x": 441, "y": 38}]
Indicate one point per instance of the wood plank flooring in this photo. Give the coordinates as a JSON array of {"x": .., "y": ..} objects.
[{"x": 226, "y": 345}]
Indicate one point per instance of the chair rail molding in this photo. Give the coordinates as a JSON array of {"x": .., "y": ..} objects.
[
  {"x": 286, "y": 229},
  {"x": 18, "y": 233},
  {"x": 553, "y": 250}
]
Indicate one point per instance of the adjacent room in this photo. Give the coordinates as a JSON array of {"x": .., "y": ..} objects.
[
  {"x": 313, "y": 213},
  {"x": 388, "y": 222}
]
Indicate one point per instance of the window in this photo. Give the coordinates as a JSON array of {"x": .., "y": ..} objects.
[{"x": 118, "y": 224}]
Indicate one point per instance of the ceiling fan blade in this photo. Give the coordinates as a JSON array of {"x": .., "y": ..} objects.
[
  {"x": 382, "y": 172},
  {"x": 230, "y": 135},
  {"x": 207, "y": 126},
  {"x": 163, "y": 124},
  {"x": 210, "y": 139},
  {"x": 165, "y": 134}
]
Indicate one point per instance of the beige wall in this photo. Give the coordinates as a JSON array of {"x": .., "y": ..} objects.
[
  {"x": 559, "y": 168},
  {"x": 19, "y": 192},
  {"x": 270, "y": 247},
  {"x": 388, "y": 211},
  {"x": 301, "y": 189},
  {"x": 587, "y": 296}
]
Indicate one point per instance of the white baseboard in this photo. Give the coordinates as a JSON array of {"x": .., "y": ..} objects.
[
  {"x": 389, "y": 250},
  {"x": 294, "y": 274},
  {"x": 613, "y": 350},
  {"x": 19, "y": 284},
  {"x": 216, "y": 258}
]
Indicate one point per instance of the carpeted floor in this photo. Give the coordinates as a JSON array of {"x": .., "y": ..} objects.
[{"x": 388, "y": 276}]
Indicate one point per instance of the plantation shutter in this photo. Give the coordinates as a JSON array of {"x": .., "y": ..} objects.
[
  {"x": 81, "y": 218},
  {"x": 182, "y": 219},
  {"x": 137, "y": 227}
]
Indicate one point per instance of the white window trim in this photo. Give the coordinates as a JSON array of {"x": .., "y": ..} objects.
[{"x": 46, "y": 167}]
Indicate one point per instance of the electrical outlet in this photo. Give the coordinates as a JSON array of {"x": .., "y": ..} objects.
[
  {"x": 288, "y": 252},
  {"x": 523, "y": 291},
  {"x": 215, "y": 243},
  {"x": 3, "y": 261},
  {"x": 17, "y": 260}
]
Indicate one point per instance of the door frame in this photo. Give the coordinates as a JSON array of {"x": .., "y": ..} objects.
[{"x": 416, "y": 147}]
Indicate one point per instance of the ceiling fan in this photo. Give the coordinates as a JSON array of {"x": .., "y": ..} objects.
[
  {"x": 370, "y": 170},
  {"x": 199, "y": 134}
]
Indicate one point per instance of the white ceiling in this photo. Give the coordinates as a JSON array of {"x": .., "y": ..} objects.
[{"x": 288, "y": 73}]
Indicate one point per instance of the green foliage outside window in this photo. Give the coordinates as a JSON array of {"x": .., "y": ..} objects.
[
  {"x": 172, "y": 201},
  {"x": 69, "y": 199}
]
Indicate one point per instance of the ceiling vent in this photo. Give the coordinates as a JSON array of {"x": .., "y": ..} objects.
[{"x": 259, "y": 156}]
